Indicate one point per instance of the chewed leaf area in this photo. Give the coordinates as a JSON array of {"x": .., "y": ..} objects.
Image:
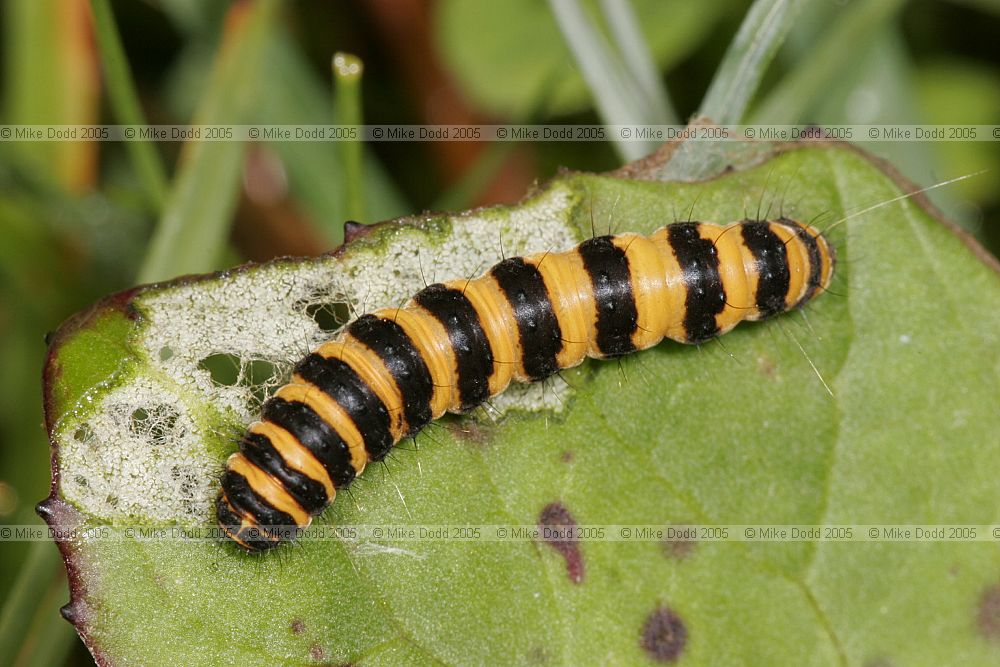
[
  {"x": 874, "y": 405},
  {"x": 205, "y": 353}
]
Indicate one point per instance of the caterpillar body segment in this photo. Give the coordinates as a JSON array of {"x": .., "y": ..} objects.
[{"x": 455, "y": 344}]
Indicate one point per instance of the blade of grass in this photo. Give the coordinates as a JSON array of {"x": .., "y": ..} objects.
[
  {"x": 856, "y": 25},
  {"x": 296, "y": 95},
  {"x": 193, "y": 227},
  {"x": 50, "y": 637},
  {"x": 125, "y": 103},
  {"x": 749, "y": 54},
  {"x": 51, "y": 78},
  {"x": 616, "y": 95},
  {"x": 638, "y": 59},
  {"x": 347, "y": 72},
  {"x": 21, "y": 608}
]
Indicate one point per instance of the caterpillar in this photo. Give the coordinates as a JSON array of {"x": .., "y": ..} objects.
[{"x": 455, "y": 344}]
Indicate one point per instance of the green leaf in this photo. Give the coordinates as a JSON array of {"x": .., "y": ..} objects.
[{"x": 739, "y": 432}]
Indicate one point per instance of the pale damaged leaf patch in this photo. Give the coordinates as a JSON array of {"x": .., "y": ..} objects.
[{"x": 149, "y": 449}]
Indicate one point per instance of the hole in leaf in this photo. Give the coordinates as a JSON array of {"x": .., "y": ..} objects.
[
  {"x": 156, "y": 424},
  {"x": 166, "y": 353},
  {"x": 329, "y": 316},
  {"x": 261, "y": 377},
  {"x": 83, "y": 433},
  {"x": 258, "y": 375},
  {"x": 224, "y": 368}
]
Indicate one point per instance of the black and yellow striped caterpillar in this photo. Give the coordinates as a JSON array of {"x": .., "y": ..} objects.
[{"x": 455, "y": 344}]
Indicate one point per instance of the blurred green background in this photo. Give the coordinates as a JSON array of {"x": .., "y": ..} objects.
[{"x": 79, "y": 220}]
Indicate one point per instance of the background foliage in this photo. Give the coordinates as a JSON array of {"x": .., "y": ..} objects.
[{"x": 79, "y": 220}]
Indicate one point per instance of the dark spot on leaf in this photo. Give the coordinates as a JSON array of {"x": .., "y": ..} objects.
[
  {"x": 680, "y": 542},
  {"x": 559, "y": 531},
  {"x": 298, "y": 626},
  {"x": 988, "y": 615},
  {"x": 880, "y": 661},
  {"x": 765, "y": 366},
  {"x": 317, "y": 653},
  {"x": 664, "y": 635},
  {"x": 539, "y": 655},
  {"x": 476, "y": 433},
  {"x": 566, "y": 457}
]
